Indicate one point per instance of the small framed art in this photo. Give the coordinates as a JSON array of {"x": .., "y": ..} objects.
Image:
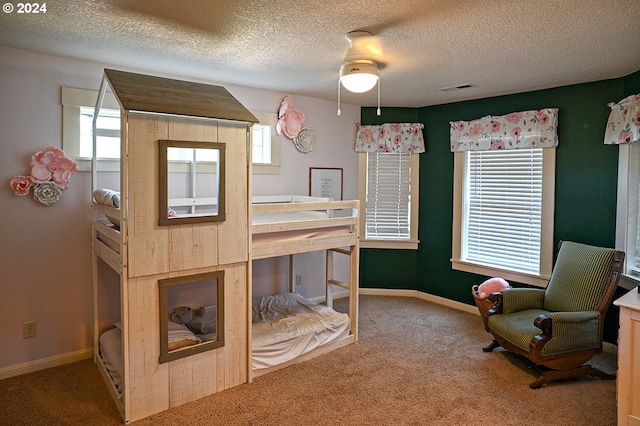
[{"x": 325, "y": 182}]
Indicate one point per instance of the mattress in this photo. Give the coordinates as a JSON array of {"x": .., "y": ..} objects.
[
  {"x": 286, "y": 326},
  {"x": 262, "y": 218},
  {"x": 283, "y": 234},
  {"x": 179, "y": 336}
]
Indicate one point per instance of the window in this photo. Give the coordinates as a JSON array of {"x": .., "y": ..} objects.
[
  {"x": 389, "y": 200},
  {"x": 265, "y": 152},
  {"x": 503, "y": 213},
  {"x": 107, "y": 129},
  {"x": 77, "y": 115},
  {"x": 628, "y": 212},
  {"x": 261, "y": 144}
]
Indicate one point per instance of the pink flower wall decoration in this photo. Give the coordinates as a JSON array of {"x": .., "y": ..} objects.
[
  {"x": 21, "y": 185},
  {"x": 51, "y": 170},
  {"x": 289, "y": 119}
]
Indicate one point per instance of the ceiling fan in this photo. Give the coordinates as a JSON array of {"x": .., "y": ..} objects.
[{"x": 359, "y": 72}]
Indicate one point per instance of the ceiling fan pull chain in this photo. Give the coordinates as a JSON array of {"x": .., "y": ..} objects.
[
  {"x": 378, "y": 112},
  {"x": 338, "y": 97}
]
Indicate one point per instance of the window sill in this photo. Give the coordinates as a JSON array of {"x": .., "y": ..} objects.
[
  {"x": 380, "y": 244},
  {"x": 629, "y": 282},
  {"x": 266, "y": 169},
  {"x": 104, "y": 165},
  {"x": 508, "y": 275}
]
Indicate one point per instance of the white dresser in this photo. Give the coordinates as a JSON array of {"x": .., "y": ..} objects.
[{"x": 628, "y": 386}]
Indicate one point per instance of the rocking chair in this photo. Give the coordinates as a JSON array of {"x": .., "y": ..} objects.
[{"x": 559, "y": 328}]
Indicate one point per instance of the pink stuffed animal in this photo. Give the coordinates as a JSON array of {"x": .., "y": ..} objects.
[{"x": 491, "y": 285}]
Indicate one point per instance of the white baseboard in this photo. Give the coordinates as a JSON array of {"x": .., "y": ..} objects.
[
  {"x": 43, "y": 364},
  {"x": 336, "y": 295},
  {"x": 421, "y": 295}
]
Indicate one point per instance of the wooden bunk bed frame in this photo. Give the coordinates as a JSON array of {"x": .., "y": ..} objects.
[
  {"x": 154, "y": 109},
  {"x": 149, "y": 387},
  {"x": 344, "y": 243},
  {"x": 113, "y": 257}
]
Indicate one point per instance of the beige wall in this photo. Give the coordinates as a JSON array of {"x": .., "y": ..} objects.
[{"x": 45, "y": 259}]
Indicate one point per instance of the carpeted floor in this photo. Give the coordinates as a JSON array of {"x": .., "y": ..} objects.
[{"x": 417, "y": 363}]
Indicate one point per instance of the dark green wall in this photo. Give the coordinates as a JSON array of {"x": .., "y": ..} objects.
[
  {"x": 586, "y": 183},
  {"x": 632, "y": 84},
  {"x": 392, "y": 269}
]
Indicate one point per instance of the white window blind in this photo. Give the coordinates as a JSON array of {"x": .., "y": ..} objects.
[
  {"x": 634, "y": 200},
  {"x": 503, "y": 209},
  {"x": 388, "y": 196},
  {"x": 628, "y": 208}
]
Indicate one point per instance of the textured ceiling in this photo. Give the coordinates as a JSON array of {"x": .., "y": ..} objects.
[{"x": 297, "y": 46}]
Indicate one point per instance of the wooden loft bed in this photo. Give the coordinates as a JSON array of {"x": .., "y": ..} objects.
[{"x": 289, "y": 225}]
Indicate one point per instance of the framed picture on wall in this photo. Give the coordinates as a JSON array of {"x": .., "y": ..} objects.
[{"x": 325, "y": 182}]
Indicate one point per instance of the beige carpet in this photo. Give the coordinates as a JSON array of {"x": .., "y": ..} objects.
[{"x": 417, "y": 363}]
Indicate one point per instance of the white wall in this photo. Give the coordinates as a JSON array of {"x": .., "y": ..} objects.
[{"x": 45, "y": 255}]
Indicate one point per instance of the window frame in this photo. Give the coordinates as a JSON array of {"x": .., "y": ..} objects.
[
  {"x": 412, "y": 242},
  {"x": 73, "y": 100},
  {"x": 628, "y": 212},
  {"x": 547, "y": 226},
  {"x": 273, "y": 168}
]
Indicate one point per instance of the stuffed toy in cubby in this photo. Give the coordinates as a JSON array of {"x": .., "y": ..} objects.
[{"x": 192, "y": 318}]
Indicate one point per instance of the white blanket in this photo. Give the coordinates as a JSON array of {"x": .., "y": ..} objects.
[{"x": 288, "y": 325}]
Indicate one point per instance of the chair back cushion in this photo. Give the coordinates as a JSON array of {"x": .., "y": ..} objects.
[{"x": 580, "y": 278}]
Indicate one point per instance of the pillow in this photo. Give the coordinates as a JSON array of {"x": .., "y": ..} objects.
[
  {"x": 111, "y": 198},
  {"x": 209, "y": 317},
  {"x": 108, "y": 197}
]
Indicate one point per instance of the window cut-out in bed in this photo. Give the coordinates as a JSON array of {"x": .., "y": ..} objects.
[
  {"x": 192, "y": 184},
  {"x": 191, "y": 314}
]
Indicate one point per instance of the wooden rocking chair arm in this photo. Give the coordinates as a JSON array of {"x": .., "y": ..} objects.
[
  {"x": 544, "y": 323},
  {"x": 496, "y": 298}
]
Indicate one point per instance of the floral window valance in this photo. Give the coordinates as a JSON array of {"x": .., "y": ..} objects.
[
  {"x": 623, "y": 125},
  {"x": 518, "y": 130},
  {"x": 390, "y": 137}
]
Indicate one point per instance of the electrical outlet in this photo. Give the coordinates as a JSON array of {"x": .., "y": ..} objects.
[
  {"x": 29, "y": 329},
  {"x": 298, "y": 279}
]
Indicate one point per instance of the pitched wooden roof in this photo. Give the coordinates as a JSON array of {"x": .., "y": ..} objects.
[{"x": 138, "y": 92}]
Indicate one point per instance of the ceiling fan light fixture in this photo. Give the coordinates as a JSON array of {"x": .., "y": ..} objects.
[
  {"x": 359, "y": 76},
  {"x": 358, "y": 73}
]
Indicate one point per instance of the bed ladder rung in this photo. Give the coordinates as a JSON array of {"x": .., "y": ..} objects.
[
  {"x": 329, "y": 274},
  {"x": 339, "y": 283}
]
